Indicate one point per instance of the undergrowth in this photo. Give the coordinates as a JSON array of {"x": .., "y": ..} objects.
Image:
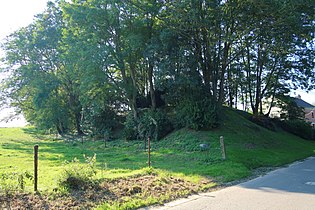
[
  {"x": 76, "y": 175},
  {"x": 11, "y": 182}
]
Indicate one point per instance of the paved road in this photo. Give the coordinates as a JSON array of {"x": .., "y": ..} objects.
[{"x": 291, "y": 188}]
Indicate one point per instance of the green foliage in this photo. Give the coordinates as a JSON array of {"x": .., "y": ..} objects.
[
  {"x": 264, "y": 122},
  {"x": 290, "y": 109},
  {"x": 13, "y": 181},
  {"x": 130, "y": 128},
  {"x": 78, "y": 175},
  {"x": 133, "y": 203},
  {"x": 198, "y": 114},
  {"x": 83, "y": 63},
  {"x": 100, "y": 122},
  {"x": 153, "y": 123},
  {"x": 190, "y": 103},
  {"x": 248, "y": 146},
  {"x": 70, "y": 69},
  {"x": 297, "y": 127},
  {"x": 197, "y": 110}
]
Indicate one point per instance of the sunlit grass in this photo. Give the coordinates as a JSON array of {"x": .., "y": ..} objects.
[{"x": 248, "y": 147}]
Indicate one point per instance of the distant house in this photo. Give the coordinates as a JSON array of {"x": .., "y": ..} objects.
[{"x": 309, "y": 110}]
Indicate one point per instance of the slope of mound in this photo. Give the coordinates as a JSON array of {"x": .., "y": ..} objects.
[{"x": 248, "y": 146}]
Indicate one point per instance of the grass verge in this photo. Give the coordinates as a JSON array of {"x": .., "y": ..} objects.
[{"x": 177, "y": 162}]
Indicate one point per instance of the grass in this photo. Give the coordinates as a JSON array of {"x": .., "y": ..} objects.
[{"x": 248, "y": 146}]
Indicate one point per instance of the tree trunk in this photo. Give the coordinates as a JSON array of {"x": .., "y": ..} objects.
[
  {"x": 133, "y": 103},
  {"x": 259, "y": 69},
  {"x": 273, "y": 94},
  {"x": 151, "y": 66},
  {"x": 152, "y": 91},
  {"x": 129, "y": 88},
  {"x": 78, "y": 123},
  {"x": 223, "y": 71},
  {"x": 248, "y": 78},
  {"x": 271, "y": 105},
  {"x": 59, "y": 130}
]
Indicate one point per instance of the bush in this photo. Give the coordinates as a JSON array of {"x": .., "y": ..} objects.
[
  {"x": 193, "y": 105},
  {"x": 100, "y": 121},
  {"x": 149, "y": 123},
  {"x": 78, "y": 175},
  {"x": 13, "y": 181},
  {"x": 264, "y": 122},
  {"x": 155, "y": 124},
  {"x": 196, "y": 113},
  {"x": 297, "y": 127},
  {"x": 131, "y": 128}
]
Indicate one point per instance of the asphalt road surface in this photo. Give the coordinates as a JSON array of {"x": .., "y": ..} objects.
[{"x": 291, "y": 188}]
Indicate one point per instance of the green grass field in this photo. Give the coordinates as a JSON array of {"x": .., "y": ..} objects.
[{"x": 248, "y": 146}]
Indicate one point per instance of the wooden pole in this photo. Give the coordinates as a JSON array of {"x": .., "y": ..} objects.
[
  {"x": 145, "y": 144},
  {"x": 149, "y": 152},
  {"x": 35, "y": 167},
  {"x": 105, "y": 139},
  {"x": 222, "y": 148}
]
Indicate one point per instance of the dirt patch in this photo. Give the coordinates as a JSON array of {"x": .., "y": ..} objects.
[{"x": 109, "y": 191}]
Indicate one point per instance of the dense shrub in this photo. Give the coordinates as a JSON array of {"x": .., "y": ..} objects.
[
  {"x": 100, "y": 121},
  {"x": 131, "y": 128},
  {"x": 297, "y": 127},
  {"x": 78, "y": 175},
  {"x": 154, "y": 123},
  {"x": 244, "y": 114},
  {"x": 196, "y": 113},
  {"x": 193, "y": 104},
  {"x": 264, "y": 122}
]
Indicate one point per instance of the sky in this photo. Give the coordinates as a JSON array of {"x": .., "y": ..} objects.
[
  {"x": 15, "y": 14},
  {"x": 18, "y": 13}
]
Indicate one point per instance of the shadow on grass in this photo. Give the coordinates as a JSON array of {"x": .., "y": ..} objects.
[
  {"x": 117, "y": 155},
  {"x": 173, "y": 155},
  {"x": 42, "y": 135},
  {"x": 35, "y": 133}
]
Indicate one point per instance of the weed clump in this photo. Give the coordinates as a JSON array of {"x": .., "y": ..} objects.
[
  {"x": 13, "y": 181},
  {"x": 77, "y": 175}
]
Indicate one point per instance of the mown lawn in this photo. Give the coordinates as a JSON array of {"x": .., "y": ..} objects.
[{"x": 248, "y": 146}]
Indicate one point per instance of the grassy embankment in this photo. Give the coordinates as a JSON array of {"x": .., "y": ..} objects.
[{"x": 248, "y": 146}]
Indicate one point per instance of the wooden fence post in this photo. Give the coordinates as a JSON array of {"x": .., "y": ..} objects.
[
  {"x": 149, "y": 152},
  {"x": 35, "y": 167},
  {"x": 222, "y": 148},
  {"x": 105, "y": 139}
]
